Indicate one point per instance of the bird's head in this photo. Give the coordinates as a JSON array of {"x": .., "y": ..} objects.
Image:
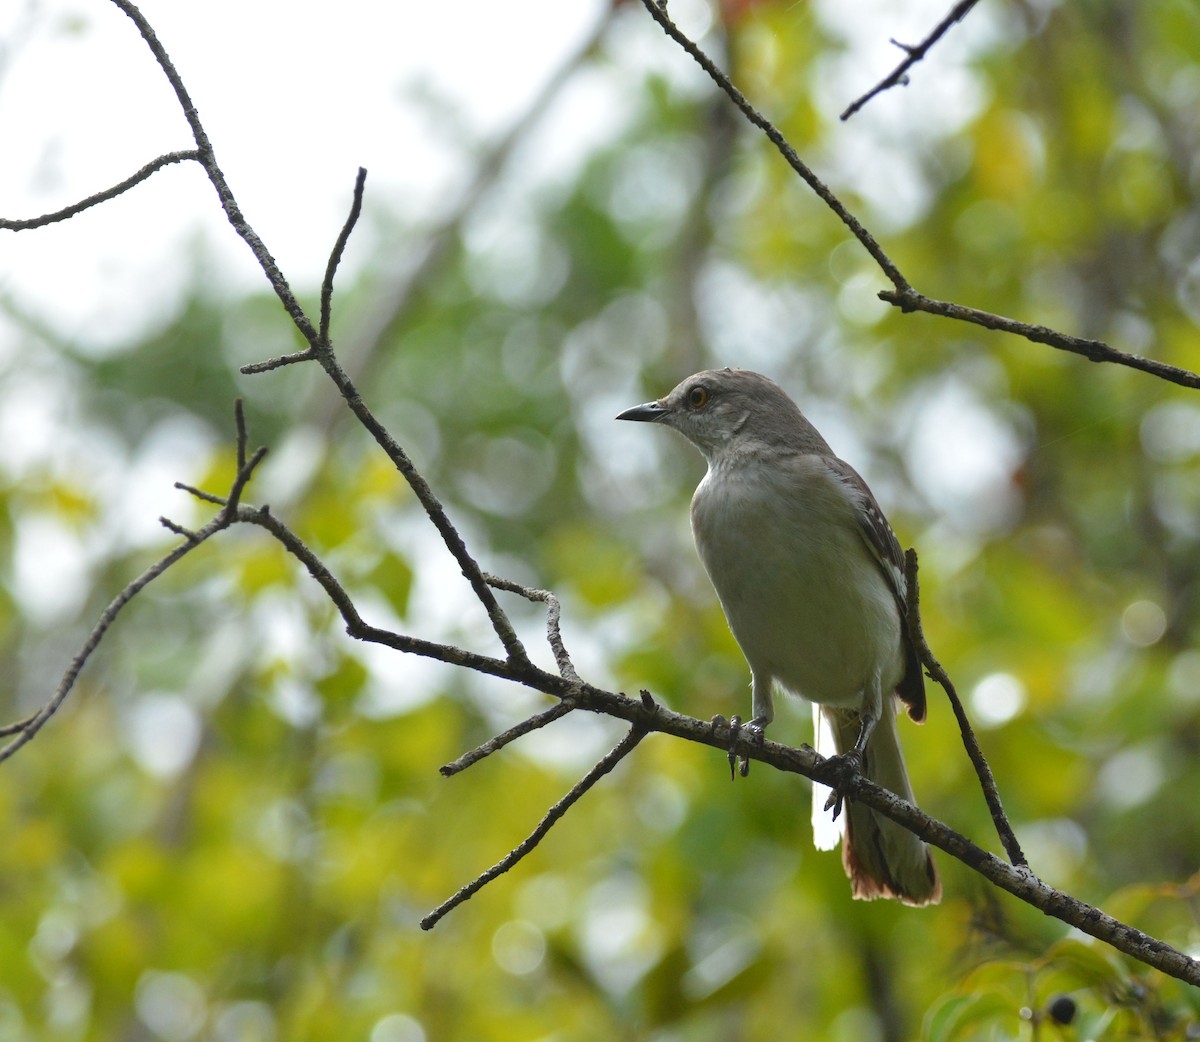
[{"x": 719, "y": 410}]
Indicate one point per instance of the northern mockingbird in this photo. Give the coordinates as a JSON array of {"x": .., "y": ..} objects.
[{"x": 810, "y": 576}]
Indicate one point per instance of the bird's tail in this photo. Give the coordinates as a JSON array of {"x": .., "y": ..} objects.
[{"x": 881, "y": 858}]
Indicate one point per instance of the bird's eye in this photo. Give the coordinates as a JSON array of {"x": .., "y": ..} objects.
[{"x": 697, "y": 396}]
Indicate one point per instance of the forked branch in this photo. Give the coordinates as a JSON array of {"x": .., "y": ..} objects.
[
  {"x": 912, "y": 54},
  {"x": 25, "y": 730},
  {"x": 606, "y": 764},
  {"x": 987, "y": 782}
]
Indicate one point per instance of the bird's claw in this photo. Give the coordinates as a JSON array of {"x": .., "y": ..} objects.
[
  {"x": 735, "y": 727},
  {"x": 848, "y": 764},
  {"x": 757, "y": 728}
]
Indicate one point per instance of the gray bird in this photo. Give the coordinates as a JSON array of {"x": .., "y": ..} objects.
[{"x": 810, "y": 575}]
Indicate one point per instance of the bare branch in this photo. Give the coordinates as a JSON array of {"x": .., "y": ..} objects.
[
  {"x": 178, "y": 529},
  {"x": 904, "y": 296},
  {"x": 208, "y": 497},
  {"x": 1094, "y": 350},
  {"x": 1017, "y": 880},
  {"x": 521, "y": 671},
  {"x": 500, "y": 621},
  {"x": 335, "y": 257},
  {"x": 987, "y": 782},
  {"x": 68, "y": 212},
  {"x": 494, "y": 745},
  {"x": 614, "y": 757},
  {"x": 659, "y": 13},
  {"x": 207, "y": 158},
  {"x": 28, "y": 729},
  {"x": 913, "y": 54},
  {"x": 20, "y": 725},
  {"x": 239, "y": 426},
  {"x": 566, "y": 668},
  {"x": 278, "y": 363}
]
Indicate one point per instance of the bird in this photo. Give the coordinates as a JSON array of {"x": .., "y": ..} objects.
[{"x": 810, "y": 576}]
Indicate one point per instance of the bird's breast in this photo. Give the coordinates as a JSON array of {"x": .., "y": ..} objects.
[{"x": 803, "y": 597}]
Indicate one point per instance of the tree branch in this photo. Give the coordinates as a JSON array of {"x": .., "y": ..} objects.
[
  {"x": 27, "y": 729},
  {"x": 322, "y": 352},
  {"x": 1093, "y": 350},
  {"x": 566, "y": 669},
  {"x": 494, "y": 745},
  {"x": 659, "y": 13},
  {"x": 521, "y": 671},
  {"x": 614, "y": 757},
  {"x": 913, "y": 54},
  {"x": 987, "y": 782},
  {"x": 1017, "y": 880},
  {"x": 207, "y": 158},
  {"x": 335, "y": 256},
  {"x": 68, "y": 212}
]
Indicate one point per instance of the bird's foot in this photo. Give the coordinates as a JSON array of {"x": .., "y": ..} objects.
[
  {"x": 757, "y": 728},
  {"x": 847, "y": 766},
  {"x": 719, "y": 721}
]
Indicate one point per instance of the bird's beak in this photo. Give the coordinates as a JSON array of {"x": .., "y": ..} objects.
[{"x": 651, "y": 412}]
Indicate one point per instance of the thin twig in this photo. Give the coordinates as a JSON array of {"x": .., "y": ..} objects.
[
  {"x": 245, "y": 467},
  {"x": 987, "y": 782},
  {"x": 253, "y": 368},
  {"x": 335, "y": 256},
  {"x": 494, "y": 745},
  {"x": 913, "y": 54},
  {"x": 566, "y": 668},
  {"x": 659, "y": 14},
  {"x": 521, "y": 671},
  {"x": 207, "y": 158},
  {"x": 68, "y": 212},
  {"x": 20, "y": 725},
  {"x": 239, "y": 427},
  {"x": 28, "y": 729},
  {"x": 622, "y": 749},
  {"x": 177, "y": 529},
  {"x": 434, "y": 509},
  {"x": 208, "y": 497},
  {"x": 1094, "y": 350}
]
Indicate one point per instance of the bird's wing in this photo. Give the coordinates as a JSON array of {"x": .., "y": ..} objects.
[{"x": 885, "y": 550}]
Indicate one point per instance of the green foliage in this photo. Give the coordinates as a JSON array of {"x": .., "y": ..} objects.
[{"x": 235, "y": 824}]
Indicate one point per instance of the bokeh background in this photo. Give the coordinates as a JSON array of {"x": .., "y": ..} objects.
[{"x": 234, "y": 825}]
